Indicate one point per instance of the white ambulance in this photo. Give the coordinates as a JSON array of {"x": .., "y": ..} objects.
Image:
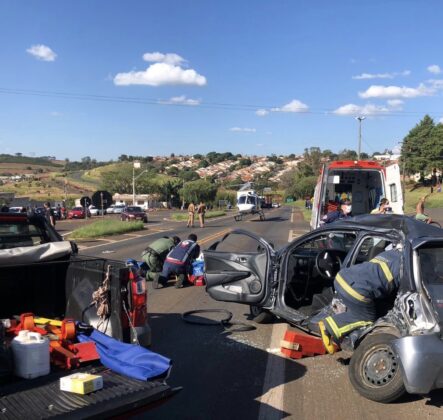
[{"x": 362, "y": 182}]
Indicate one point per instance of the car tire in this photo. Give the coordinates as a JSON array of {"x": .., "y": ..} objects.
[
  {"x": 364, "y": 373},
  {"x": 145, "y": 220},
  {"x": 260, "y": 316}
]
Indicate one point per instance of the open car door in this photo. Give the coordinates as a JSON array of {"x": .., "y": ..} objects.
[
  {"x": 240, "y": 268},
  {"x": 394, "y": 188}
]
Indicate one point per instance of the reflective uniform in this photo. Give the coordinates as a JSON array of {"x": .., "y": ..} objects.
[
  {"x": 179, "y": 262},
  {"x": 358, "y": 287},
  {"x": 155, "y": 254}
]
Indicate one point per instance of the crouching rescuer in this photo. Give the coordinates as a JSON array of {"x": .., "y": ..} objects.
[
  {"x": 155, "y": 254},
  {"x": 358, "y": 288},
  {"x": 179, "y": 262}
]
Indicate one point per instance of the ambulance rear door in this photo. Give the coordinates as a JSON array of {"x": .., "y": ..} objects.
[
  {"x": 393, "y": 188},
  {"x": 318, "y": 199}
]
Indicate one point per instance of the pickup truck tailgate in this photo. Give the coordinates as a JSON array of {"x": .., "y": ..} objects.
[{"x": 42, "y": 398}]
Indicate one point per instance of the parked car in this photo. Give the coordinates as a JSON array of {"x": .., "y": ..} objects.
[
  {"x": 403, "y": 350},
  {"x": 15, "y": 209},
  {"x": 110, "y": 209},
  {"x": 78, "y": 213},
  {"x": 275, "y": 205},
  {"x": 55, "y": 282},
  {"x": 118, "y": 208},
  {"x": 96, "y": 211},
  {"x": 134, "y": 213}
]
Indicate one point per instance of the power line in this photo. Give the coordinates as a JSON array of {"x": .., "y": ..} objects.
[{"x": 210, "y": 105}]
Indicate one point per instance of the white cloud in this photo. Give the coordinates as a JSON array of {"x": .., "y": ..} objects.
[
  {"x": 42, "y": 52},
  {"x": 434, "y": 69},
  {"x": 396, "y": 104},
  {"x": 440, "y": 120},
  {"x": 182, "y": 100},
  {"x": 160, "y": 74},
  {"x": 261, "y": 112},
  {"x": 366, "y": 76},
  {"x": 55, "y": 114},
  {"x": 242, "y": 130},
  {"x": 368, "y": 109},
  {"x": 294, "y": 106},
  {"x": 377, "y": 91},
  {"x": 158, "y": 57},
  {"x": 435, "y": 83}
]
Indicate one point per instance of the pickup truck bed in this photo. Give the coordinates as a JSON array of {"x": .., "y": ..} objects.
[{"x": 41, "y": 397}]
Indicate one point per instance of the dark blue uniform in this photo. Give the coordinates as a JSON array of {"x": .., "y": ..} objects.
[
  {"x": 179, "y": 262},
  {"x": 358, "y": 287}
]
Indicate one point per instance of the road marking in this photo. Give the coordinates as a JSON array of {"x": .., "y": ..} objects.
[
  {"x": 272, "y": 400},
  {"x": 121, "y": 240},
  {"x": 292, "y": 215},
  {"x": 214, "y": 236},
  {"x": 294, "y": 234}
]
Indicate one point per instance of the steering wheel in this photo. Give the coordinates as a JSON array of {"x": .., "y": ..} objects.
[{"x": 328, "y": 263}]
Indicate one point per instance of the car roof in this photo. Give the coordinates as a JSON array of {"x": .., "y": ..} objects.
[{"x": 411, "y": 228}]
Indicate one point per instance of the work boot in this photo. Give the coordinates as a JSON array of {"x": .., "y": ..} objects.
[
  {"x": 158, "y": 282},
  {"x": 180, "y": 281},
  {"x": 327, "y": 339}
]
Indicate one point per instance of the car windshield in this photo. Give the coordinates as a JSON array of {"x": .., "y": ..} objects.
[
  {"x": 134, "y": 209},
  {"x": 77, "y": 208}
]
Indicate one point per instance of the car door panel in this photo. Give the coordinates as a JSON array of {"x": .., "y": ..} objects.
[{"x": 239, "y": 276}]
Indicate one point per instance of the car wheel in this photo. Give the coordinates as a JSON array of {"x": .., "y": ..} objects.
[
  {"x": 260, "y": 316},
  {"x": 375, "y": 371},
  {"x": 145, "y": 220}
]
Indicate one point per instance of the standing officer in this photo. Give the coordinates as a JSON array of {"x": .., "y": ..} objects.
[
  {"x": 191, "y": 211},
  {"x": 179, "y": 262},
  {"x": 358, "y": 288},
  {"x": 155, "y": 254}
]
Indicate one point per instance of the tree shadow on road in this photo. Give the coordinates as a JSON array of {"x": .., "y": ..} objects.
[{"x": 222, "y": 373}]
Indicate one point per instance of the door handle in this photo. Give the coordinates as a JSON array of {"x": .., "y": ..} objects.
[{"x": 242, "y": 259}]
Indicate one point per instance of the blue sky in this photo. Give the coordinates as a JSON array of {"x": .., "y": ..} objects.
[{"x": 253, "y": 77}]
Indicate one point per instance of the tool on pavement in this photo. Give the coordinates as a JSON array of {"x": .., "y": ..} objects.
[{"x": 296, "y": 345}]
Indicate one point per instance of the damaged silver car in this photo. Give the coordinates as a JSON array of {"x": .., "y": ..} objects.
[{"x": 403, "y": 350}]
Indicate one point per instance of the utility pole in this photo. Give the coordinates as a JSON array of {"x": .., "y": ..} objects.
[
  {"x": 136, "y": 164},
  {"x": 360, "y": 119}
]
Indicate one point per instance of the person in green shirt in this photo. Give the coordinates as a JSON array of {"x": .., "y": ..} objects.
[{"x": 155, "y": 253}]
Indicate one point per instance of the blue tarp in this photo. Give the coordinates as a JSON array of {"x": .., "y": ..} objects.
[{"x": 127, "y": 359}]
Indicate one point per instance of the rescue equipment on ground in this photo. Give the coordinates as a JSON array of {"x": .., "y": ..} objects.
[
  {"x": 128, "y": 359},
  {"x": 81, "y": 383},
  {"x": 31, "y": 354},
  {"x": 228, "y": 326},
  {"x": 296, "y": 345},
  {"x": 197, "y": 277}
]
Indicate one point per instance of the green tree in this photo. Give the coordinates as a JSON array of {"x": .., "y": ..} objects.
[
  {"x": 199, "y": 190},
  {"x": 417, "y": 147}
]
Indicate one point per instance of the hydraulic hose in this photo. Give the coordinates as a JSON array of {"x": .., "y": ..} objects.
[{"x": 228, "y": 326}]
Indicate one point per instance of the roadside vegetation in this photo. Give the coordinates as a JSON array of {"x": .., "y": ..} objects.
[
  {"x": 301, "y": 205},
  {"x": 183, "y": 216},
  {"x": 106, "y": 228}
]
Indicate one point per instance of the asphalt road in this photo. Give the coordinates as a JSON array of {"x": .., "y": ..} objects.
[{"x": 241, "y": 375}]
